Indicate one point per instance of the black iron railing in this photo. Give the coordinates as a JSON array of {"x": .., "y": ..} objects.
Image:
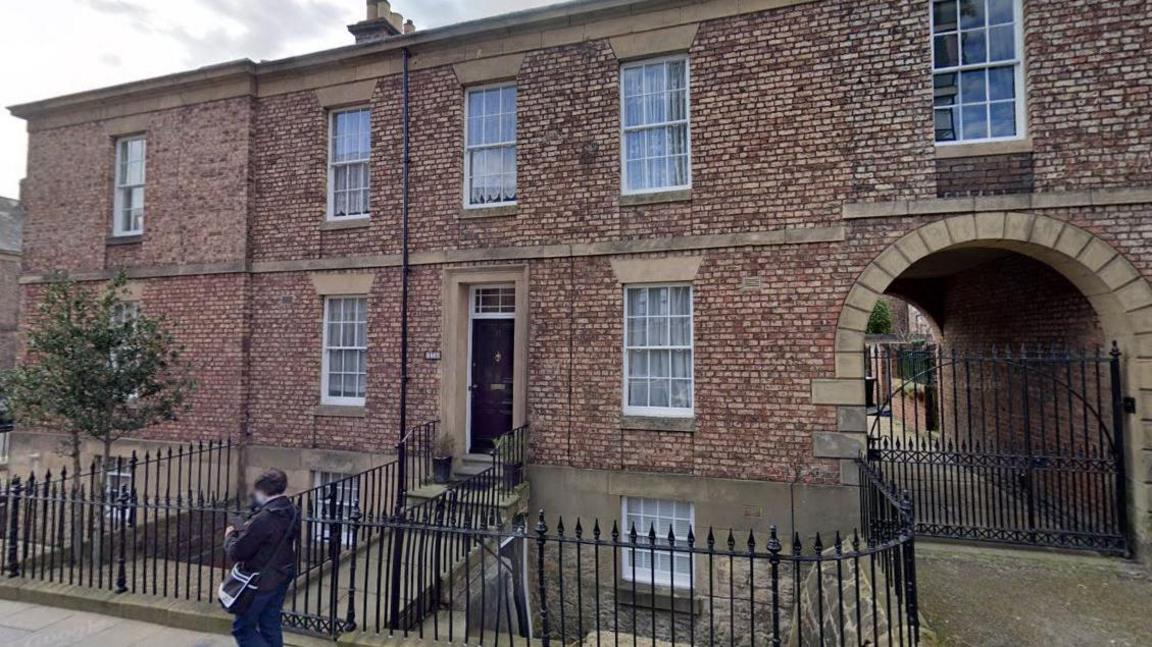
[
  {"x": 149, "y": 525},
  {"x": 1012, "y": 446}
]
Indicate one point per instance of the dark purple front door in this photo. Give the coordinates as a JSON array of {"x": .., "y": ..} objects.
[{"x": 491, "y": 387}]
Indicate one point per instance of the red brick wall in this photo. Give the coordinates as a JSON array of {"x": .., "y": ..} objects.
[
  {"x": 795, "y": 112},
  {"x": 196, "y": 198},
  {"x": 992, "y": 175}
]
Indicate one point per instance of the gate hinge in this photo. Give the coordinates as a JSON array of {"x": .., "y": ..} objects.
[{"x": 1129, "y": 405}]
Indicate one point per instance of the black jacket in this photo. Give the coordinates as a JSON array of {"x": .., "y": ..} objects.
[{"x": 252, "y": 546}]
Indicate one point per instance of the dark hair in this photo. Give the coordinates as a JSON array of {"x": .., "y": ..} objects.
[{"x": 272, "y": 482}]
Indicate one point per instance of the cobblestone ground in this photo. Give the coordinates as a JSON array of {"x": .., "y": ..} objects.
[{"x": 1013, "y": 598}]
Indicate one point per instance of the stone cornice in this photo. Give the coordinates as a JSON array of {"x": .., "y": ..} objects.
[{"x": 522, "y": 31}]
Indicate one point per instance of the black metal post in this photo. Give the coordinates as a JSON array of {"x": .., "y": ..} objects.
[
  {"x": 121, "y": 575},
  {"x": 541, "y": 539},
  {"x": 13, "y": 526},
  {"x": 1118, "y": 440},
  {"x": 350, "y": 618}
]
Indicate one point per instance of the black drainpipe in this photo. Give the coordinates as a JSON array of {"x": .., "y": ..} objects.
[
  {"x": 402, "y": 477},
  {"x": 404, "y": 273}
]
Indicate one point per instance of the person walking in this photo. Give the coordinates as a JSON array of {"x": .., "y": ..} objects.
[{"x": 265, "y": 544}]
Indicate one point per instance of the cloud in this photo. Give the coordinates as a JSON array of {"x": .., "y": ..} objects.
[
  {"x": 437, "y": 13},
  {"x": 117, "y": 7}
]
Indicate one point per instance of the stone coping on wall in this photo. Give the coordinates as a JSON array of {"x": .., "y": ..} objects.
[{"x": 1011, "y": 202}]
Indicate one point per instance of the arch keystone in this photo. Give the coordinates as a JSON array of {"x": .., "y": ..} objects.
[
  {"x": 990, "y": 226},
  {"x": 961, "y": 228}
]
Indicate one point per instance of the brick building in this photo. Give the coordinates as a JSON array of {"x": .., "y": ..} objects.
[
  {"x": 11, "y": 221},
  {"x": 663, "y": 223}
]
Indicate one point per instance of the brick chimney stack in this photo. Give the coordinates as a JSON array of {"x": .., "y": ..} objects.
[{"x": 380, "y": 22}]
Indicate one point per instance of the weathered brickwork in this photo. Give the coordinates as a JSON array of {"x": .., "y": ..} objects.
[
  {"x": 197, "y": 195},
  {"x": 796, "y": 111},
  {"x": 991, "y": 175}
]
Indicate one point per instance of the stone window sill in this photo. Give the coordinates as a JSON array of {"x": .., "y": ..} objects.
[
  {"x": 340, "y": 411},
  {"x": 652, "y": 423},
  {"x": 662, "y": 599},
  {"x": 114, "y": 241},
  {"x": 983, "y": 149},
  {"x": 662, "y": 197},
  {"x": 354, "y": 223},
  {"x": 481, "y": 213}
]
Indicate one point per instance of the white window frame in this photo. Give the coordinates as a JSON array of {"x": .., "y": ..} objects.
[
  {"x": 468, "y": 147},
  {"x": 332, "y": 165},
  {"x": 687, "y": 121},
  {"x": 1019, "y": 80},
  {"x": 347, "y": 497},
  {"x": 119, "y": 186},
  {"x": 324, "y": 360},
  {"x": 644, "y": 575},
  {"x": 661, "y": 412}
]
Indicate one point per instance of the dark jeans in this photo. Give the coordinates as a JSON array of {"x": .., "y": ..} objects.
[{"x": 259, "y": 626}]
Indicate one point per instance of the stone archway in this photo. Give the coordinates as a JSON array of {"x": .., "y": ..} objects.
[{"x": 1119, "y": 293}]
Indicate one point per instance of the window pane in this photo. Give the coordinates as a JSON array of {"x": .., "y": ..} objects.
[
  {"x": 637, "y": 363},
  {"x": 1003, "y": 117},
  {"x": 971, "y": 13},
  {"x": 681, "y": 363},
  {"x": 945, "y": 121},
  {"x": 637, "y": 302},
  {"x": 944, "y": 15},
  {"x": 659, "y": 393},
  {"x": 972, "y": 87},
  {"x": 681, "y": 331},
  {"x": 946, "y": 50},
  {"x": 1002, "y": 83},
  {"x": 681, "y": 396},
  {"x": 1002, "y": 43},
  {"x": 637, "y": 393},
  {"x": 945, "y": 89},
  {"x": 975, "y": 121},
  {"x": 974, "y": 44},
  {"x": 1000, "y": 11}
]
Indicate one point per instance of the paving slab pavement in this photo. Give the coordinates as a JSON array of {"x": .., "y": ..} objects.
[
  {"x": 29, "y": 625},
  {"x": 990, "y": 597}
]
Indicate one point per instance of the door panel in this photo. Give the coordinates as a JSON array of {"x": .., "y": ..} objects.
[{"x": 491, "y": 381}]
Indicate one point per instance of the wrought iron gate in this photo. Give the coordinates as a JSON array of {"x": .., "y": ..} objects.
[{"x": 1020, "y": 447}]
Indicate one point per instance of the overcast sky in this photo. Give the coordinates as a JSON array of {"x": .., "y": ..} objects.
[{"x": 54, "y": 47}]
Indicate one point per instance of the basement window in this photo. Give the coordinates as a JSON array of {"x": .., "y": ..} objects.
[
  {"x": 347, "y": 489},
  {"x": 656, "y": 562},
  {"x": 128, "y": 208},
  {"x": 978, "y": 70},
  {"x": 350, "y": 137}
]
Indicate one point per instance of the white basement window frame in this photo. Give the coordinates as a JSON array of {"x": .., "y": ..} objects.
[
  {"x": 344, "y": 374},
  {"x": 978, "y": 71},
  {"x": 647, "y": 564},
  {"x": 656, "y": 125},
  {"x": 131, "y": 176},
  {"x": 349, "y": 167},
  {"x": 659, "y": 349},
  {"x": 490, "y": 130}
]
